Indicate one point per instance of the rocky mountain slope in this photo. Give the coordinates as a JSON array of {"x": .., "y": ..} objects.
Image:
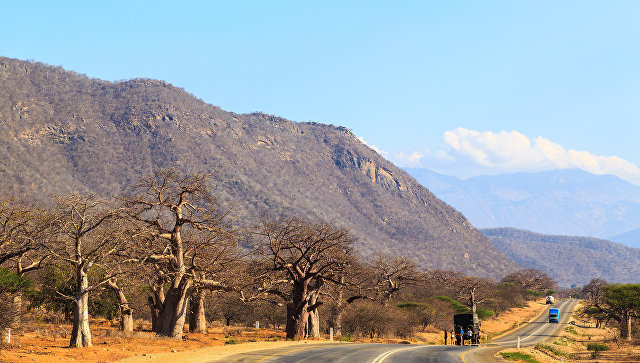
[
  {"x": 62, "y": 132},
  {"x": 567, "y": 202},
  {"x": 569, "y": 259}
]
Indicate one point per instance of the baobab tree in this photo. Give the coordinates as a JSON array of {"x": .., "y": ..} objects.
[
  {"x": 391, "y": 274},
  {"x": 193, "y": 246},
  {"x": 472, "y": 291},
  {"x": 531, "y": 279},
  {"x": 299, "y": 257},
  {"x": 86, "y": 234}
]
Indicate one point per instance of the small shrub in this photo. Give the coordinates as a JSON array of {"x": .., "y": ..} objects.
[
  {"x": 519, "y": 357},
  {"x": 231, "y": 341},
  {"x": 596, "y": 348},
  {"x": 571, "y": 329}
]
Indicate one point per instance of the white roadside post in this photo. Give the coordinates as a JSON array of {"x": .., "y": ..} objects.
[
  {"x": 7, "y": 335},
  {"x": 330, "y": 334},
  {"x": 257, "y": 324}
]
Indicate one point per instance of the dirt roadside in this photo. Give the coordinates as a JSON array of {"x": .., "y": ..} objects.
[{"x": 48, "y": 344}]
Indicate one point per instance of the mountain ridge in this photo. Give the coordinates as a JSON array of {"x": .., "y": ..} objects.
[
  {"x": 572, "y": 260},
  {"x": 63, "y": 132},
  {"x": 563, "y": 201}
]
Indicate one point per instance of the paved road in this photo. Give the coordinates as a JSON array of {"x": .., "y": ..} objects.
[
  {"x": 537, "y": 331},
  {"x": 530, "y": 334},
  {"x": 348, "y": 353}
]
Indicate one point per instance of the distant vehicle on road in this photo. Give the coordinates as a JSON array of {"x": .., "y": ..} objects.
[
  {"x": 465, "y": 323},
  {"x": 554, "y": 315},
  {"x": 550, "y": 300}
]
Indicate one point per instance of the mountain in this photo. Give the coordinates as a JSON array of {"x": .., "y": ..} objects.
[
  {"x": 63, "y": 132},
  {"x": 571, "y": 260},
  {"x": 566, "y": 202}
]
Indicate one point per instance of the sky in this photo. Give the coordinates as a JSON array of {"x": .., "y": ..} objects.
[{"x": 460, "y": 87}]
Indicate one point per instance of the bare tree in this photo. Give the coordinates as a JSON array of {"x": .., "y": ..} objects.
[
  {"x": 391, "y": 274},
  {"x": 593, "y": 290},
  {"x": 23, "y": 228},
  {"x": 301, "y": 256},
  {"x": 88, "y": 235},
  {"x": 193, "y": 245},
  {"x": 531, "y": 279},
  {"x": 472, "y": 291}
]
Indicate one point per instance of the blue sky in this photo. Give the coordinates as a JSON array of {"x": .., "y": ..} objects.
[{"x": 462, "y": 87}]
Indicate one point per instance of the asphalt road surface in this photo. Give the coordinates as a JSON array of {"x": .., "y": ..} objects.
[{"x": 530, "y": 334}]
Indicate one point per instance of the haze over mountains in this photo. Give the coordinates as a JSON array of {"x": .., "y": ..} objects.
[
  {"x": 62, "y": 132},
  {"x": 561, "y": 202}
]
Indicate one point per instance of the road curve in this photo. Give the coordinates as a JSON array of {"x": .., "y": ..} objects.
[
  {"x": 537, "y": 331},
  {"x": 530, "y": 334}
]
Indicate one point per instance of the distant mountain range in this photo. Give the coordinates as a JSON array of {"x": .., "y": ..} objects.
[
  {"x": 570, "y": 260},
  {"x": 558, "y": 202},
  {"x": 61, "y": 132}
]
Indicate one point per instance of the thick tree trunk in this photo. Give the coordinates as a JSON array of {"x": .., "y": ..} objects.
[
  {"x": 80, "y": 334},
  {"x": 313, "y": 327},
  {"x": 17, "y": 305},
  {"x": 172, "y": 316},
  {"x": 155, "y": 312},
  {"x": 625, "y": 327},
  {"x": 197, "y": 318},
  {"x": 126, "y": 320},
  {"x": 337, "y": 322},
  {"x": 296, "y": 321},
  {"x": 297, "y": 313},
  {"x": 339, "y": 309}
]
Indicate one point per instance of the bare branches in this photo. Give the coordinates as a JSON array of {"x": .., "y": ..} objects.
[
  {"x": 299, "y": 256},
  {"x": 531, "y": 279},
  {"x": 191, "y": 242}
]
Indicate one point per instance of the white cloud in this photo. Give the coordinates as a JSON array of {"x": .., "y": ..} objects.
[
  {"x": 473, "y": 152},
  {"x": 512, "y": 151}
]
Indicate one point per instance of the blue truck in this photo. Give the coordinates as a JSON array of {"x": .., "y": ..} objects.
[{"x": 554, "y": 315}]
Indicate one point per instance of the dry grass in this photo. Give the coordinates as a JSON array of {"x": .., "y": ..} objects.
[{"x": 48, "y": 343}]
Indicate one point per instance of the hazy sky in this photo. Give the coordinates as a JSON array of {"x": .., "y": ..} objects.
[{"x": 461, "y": 87}]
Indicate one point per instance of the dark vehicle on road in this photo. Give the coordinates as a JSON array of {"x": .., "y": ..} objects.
[
  {"x": 465, "y": 323},
  {"x": 554, "y": 315}
]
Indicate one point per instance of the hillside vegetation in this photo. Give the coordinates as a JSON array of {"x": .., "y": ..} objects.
[
  {"x": 62, "y": 132},
  {"x": 571, "y": 260}
]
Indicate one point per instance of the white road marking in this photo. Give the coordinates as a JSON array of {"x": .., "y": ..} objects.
[
  {"x": 532, "y": 334},
  {"x": 384, "y": 355}
]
